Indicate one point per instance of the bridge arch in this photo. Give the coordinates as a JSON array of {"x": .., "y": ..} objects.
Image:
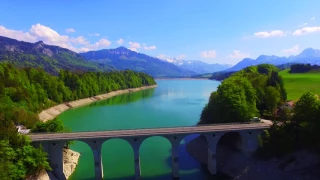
[
  {"x": 154, "y": 152},
  {"x": 86, "y": 154},
  {"x": 232, "y": 140},
  {"x": 117, "y": 157},
  {"x": 189, "y": 151}
]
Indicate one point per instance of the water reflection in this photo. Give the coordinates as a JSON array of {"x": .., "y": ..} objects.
[{"x": 125, "y": 98}]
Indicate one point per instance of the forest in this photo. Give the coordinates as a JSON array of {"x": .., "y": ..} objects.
[
  {"x": 24, "y": 92},
  {"x": 253, "y": 91},
  {"x": 260, "y": 91},
  {"x": 302, "y": 68}
]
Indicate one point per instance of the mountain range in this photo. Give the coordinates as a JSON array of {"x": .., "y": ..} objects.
[
  {"x": 309, "y": 55},
  {"x": 197, "y": 66},
  {"x": 123, "y": 58},
  {"x": 53, "y": 58},
  {"x": 50, "y": 58}
]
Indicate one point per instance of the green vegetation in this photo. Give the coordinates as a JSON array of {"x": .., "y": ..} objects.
[
  {"x": 261, "y": 89},
  {"x": 299, "y": 83},
  {"x": 254, "y": 90},
  {"x": 299, "y": 131},
  {"x": 50, "y": 58},
  {"x": 25, "y": 92}
]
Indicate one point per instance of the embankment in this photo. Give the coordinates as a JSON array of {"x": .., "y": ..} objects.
[{"x": 51, "y": 113}]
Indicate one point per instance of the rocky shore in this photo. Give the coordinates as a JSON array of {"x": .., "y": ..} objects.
[
  {"x": 51, "y": 113},
  {"x": 301, "y": 165},
  {"x": 70, "y": 162}
]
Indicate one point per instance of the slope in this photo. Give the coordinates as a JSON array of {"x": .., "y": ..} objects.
[
  {"x": 123, "y": 58},
  {"x": 40, "y": 55}
]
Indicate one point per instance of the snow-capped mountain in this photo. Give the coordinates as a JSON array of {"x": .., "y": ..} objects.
[{"x": 197, "y": 66}]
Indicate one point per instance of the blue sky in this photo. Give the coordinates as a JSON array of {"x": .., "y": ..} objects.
[{"x": 214, "y": 31}]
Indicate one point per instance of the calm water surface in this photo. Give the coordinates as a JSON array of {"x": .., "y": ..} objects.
[{"x": 172, "y": 103}]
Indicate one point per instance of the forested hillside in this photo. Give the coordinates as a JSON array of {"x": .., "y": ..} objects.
[
  {"x": 40, "y": 55},
  {"x": 26, "y": 91},
  {"x": 259, "y": 91},
  {"x": 253, "y": 91}
]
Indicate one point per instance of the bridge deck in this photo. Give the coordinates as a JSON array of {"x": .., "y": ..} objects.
[{"x": 146, "y": 132}]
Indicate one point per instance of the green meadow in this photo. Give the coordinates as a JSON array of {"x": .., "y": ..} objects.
[{"x": 299, "y": 83}]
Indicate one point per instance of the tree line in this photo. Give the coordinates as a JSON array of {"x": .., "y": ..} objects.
[
  {"x": 302, "y": 68},
  {"x": 24, "y": 92}
]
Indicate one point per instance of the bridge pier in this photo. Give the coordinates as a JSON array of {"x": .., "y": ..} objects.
[
  {"x": 95, "y": 146},
  {"x": 175, "y": 160},
  {"x": 250, "y": 141},
  {"x": 55, "y": 157},
  {"x": 137, "y": 171},
  {"x": 212, "y": 161},
  {"x": 212, "y": 140}
]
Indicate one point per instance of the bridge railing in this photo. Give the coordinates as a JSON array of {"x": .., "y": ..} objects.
[{"x": 146, "y": 128}]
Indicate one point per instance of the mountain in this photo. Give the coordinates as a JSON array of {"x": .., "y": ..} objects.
[
  {"x": 309, "y": 55},
  {"x": 50, "y": 58},
  {"x": 197, "y": 66},
  {"x": 123, "y": 58}
]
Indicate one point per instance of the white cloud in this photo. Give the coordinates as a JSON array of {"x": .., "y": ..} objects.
[
  {"x": 94, "y": 34},
  {"x": 80, "y": 40},
  {"x": 208, "y": 54},
  {"x": 181, "y": 56},
  {"x": 236, "y": 54},
  {"x": 306, "y": 30},
  {"x": 49, "y": 36},
  {"x": 313, "y": 18},
  {"x": 303, "y": 25},
  {"x": 70, "y": 30},
  {"x": 266, "y": 34},
  {"x": 133, "y": 46},
  {"x": 149, "y": 47},
  {"x": 102, "y": 43},
  {"x": 22, "y": 36},
  {"x": 120, "y": 41},
  {"x": 292, "y": 50}
]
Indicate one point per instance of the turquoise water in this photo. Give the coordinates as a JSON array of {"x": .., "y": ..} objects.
[{"x": 172, "y": 103}]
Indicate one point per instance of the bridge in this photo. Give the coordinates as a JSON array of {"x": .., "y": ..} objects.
[{"x": 53, "y": 143}]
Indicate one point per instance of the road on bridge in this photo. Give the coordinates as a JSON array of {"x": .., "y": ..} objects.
[{"x": 148, "y": 132}]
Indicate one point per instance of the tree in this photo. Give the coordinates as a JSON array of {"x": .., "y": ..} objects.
[
  {"x": 306, "y": 109},
  {"x": 272, "y": 99},
  {"x": 234, "y": 101},
  {"x": 55, "y": 125}
]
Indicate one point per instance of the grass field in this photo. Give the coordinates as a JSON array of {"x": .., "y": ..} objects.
[{"x": 299, "y": 83}]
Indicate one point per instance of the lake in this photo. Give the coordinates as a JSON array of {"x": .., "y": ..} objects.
[{"x": 175, "y": 102}]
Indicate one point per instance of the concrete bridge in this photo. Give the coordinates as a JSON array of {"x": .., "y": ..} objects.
[{"x": 53, "y": 143}]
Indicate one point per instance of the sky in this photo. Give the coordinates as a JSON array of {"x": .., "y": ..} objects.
[{"x": 213, "y": 31}]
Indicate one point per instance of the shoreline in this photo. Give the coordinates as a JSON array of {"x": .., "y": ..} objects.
[
  {"x": 52, "y": 112},
  {"x": 180, "y": 78}
]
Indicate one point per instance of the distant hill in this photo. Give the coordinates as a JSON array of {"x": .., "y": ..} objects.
[
  {"x": 221, "y": 75},
  {"x": 123, "y": 58},
  {"x": 309, "y": 55},
  {"x": 197, "y": 66},
  {"x": 50, "y": 58}
]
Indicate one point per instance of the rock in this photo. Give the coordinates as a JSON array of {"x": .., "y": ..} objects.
[{"x": 70, "y": 162}]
